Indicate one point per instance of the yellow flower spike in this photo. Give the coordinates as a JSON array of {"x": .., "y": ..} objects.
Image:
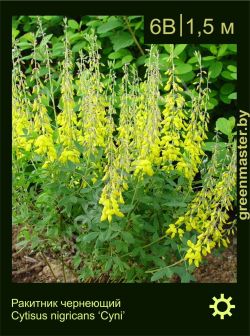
[
  {"x": 93, "y": 101},
  {"x": 147, "y": 120},
  {"x": 69, "y": 155},
  {"x": 44, "y": 146},
  {"x": 143, "y": 167},
  {"x": 207, "y": 214}
]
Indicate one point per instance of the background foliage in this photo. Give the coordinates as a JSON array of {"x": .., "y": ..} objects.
[
  {"x": 122, "y": 41},
  {"x": 128, "y": 243}
]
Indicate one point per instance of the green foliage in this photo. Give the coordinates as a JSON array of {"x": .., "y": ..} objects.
[
  {"x": 123, "y": 41},
  {"x": 122, "y": 249}
]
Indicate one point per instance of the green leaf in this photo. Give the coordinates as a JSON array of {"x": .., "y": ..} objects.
[
  {"x": 179, "y": 49},
  {"x": 90, "y": 236},
  {"x": 234, "y": 75},
  {"x": 209, "y": 146},
  {"x": 72, "y": 199},
  {"x": 47, "y": 17},
  {"x": 134, "y": 17},
  {"x": 208, "y": 58},
  {"x": 108, "y": 265},
  {"x": 224, "y": 125},
  {"x": 111, "y": 24},
  {"x": 232, "y": 68},
  {"x": 222, "y": 50},
  {"x": 165, "y": 272},
  {"x": 168, "y": 48},
  {"x": 136, "y": 251},
  {"x": 212, "y": 103},
  {"x": 213, "y": 49},
  {"x": 227, "y": 88},
  {"x": 79, "y": 46},
  {"x": 121, "y": 246},
  {"x": 118, "y": 263},
  {"x": 121, "y": 40},
  {"x": 215, "y": 69},
  {"x": 58, "y": 49},
  {"x": 26, "y": 235},
  {"x": 93, "y": 23},
  {"x": 119, "y": 54},
  {"x": 141, "y": 60},
  {"x": 232, "y": 47},
  {"x": 128, "y": 238},
  {"x": 77, "y": 260},
  {"x": 105, "y": 235},
  {"x": 145, "y": 199},
  {"x": 28, "y": 37},
  {"x": 25, "y": 45},
  {"x": 227, "y": 75},
  {"x": 73, "y": 24},
  {"x": 192, "y": 60},
  {"x": 233, "y": 95},
  {"x": 187, "y": 77},
  {"x": 225, "y": 99},
  {"x": 15, "y": 33},
  {"x": 81, "y": 218},
  {"x": 45, "y": 40},
  {"x": 183, "y": 69},
  {"x": 232, "y": 121},
  {"x": 75, "y": 37},
  {"x": 127, "y": 59},
  {"x": 185, "y": 276},
  {"x": 118, "y": 65}
]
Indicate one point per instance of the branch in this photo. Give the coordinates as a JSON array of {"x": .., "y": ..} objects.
[
  {"x": 159, "y": 269},
  {"x": 133, "y": 36}
]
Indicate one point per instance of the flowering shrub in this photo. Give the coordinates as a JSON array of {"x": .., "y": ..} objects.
[{"x": 103, "y": 174}]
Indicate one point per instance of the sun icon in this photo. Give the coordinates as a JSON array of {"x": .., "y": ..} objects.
[{"x": 217, "y": 311}]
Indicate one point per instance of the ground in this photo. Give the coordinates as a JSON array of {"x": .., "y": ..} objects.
[{"x": 31, "y": 267}]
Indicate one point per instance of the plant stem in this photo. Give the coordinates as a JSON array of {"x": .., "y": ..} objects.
[
  {"x": 159, "y": 269},
  {"x": 133, "y": 36},
  {"x": 145, "y": 246},
  {"x": 63, "y": 269},
  {"x": 48, "y": 264},
  {"x": 72, "y": 271},
  {"x": 155, "y": 241},
  {"x": 132, "y": 204}
]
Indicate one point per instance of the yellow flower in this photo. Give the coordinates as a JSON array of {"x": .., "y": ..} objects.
[
  {"x": 193, "y": 254},
  {"x": 172, "y": 230},
  {"x": 143, "y": 167},
  {"x": 69, "y": 155},
  {"x": 45, "y": 146},
  {"x": 110, "y": 206},
  {"x": 181, "y": 233}
]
